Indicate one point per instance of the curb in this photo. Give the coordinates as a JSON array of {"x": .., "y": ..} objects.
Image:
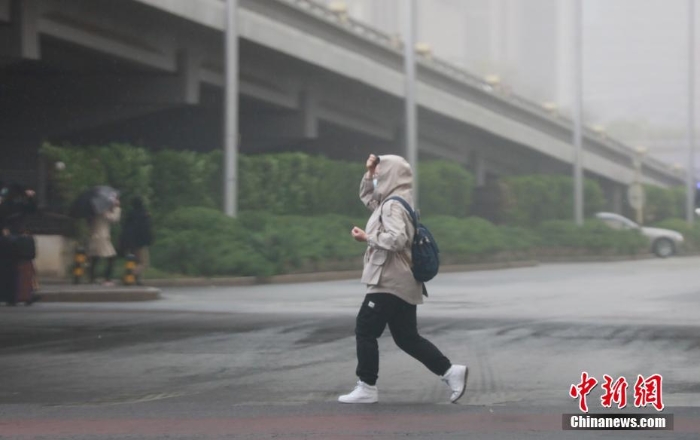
[
  {"x": 596, "y": 259},
  {"x": 489, "y": 266},
  {"x": 320, "y": 276},
  {"x": 61, "y": 288},
  {"x": 293, "y": 278},
  {"x": 117, "y": 294}
]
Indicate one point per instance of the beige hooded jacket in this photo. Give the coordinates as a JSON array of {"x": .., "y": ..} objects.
[
  {"x": 387, "y": 261},
  {"x": 100, "y": 243}
]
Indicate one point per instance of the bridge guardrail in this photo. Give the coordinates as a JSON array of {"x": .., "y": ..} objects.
[{"x": 394, "y": 44}]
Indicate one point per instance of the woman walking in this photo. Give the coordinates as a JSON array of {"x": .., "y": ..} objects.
[{"x": 392, "y": 293}]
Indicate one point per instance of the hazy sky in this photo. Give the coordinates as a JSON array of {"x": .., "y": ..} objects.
[{"x": 636, "y": 58}]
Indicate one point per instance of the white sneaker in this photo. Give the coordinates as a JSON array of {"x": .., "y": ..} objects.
[
  {"x": 456, "y": 379},
  {"x": 362, "y": 393}
]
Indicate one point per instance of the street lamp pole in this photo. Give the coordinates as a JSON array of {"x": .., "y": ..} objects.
[
  {"x": 410, "y": 85},
  {"x": 636, "y": 192},
  {"x": 690, "y": 175},
  {"x": 578, "y": 111},
  {"x": 231, "y": 111}
]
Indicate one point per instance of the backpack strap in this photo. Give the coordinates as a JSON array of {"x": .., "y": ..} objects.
[
  {"x": 414, "y": 217},
  {"x": 408, "y": 208}
]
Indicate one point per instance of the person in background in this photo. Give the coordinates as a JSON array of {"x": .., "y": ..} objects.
[
  {"x": 100, "y": 242},
  {"x": 26, "y": 286},
  {"x": 6, "y": 252},
  {"x": 8, "y": 267},
  {"x": 137, "y": 236},
  {"x": 16, "y": 202}
]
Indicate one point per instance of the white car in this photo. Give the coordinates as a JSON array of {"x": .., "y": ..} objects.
[{"x": 664, "y": 242}]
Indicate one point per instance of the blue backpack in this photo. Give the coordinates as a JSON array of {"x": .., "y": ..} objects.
[{"x": 424, "y": 251}]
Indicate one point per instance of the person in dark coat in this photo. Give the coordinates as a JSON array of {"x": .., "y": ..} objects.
[
  {"x": 137, "y": 235},
  {"x": 16, "y": 202},
  {"x": 26, "y": 284},
  {"x": 7, "y": 251}
]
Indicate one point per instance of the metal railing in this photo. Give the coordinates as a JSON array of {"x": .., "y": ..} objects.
[{"x": 395, "y": 44}]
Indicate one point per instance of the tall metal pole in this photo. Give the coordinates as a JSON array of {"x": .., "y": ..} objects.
[
  {"x": 578, "y": 111},
  {"x": 690, "y": 175},
  {"x": 231, "y": 111},
  {"x": 410, "y": 84}
]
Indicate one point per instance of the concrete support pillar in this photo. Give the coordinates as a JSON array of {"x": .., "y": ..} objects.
[
  {"x": 188, "y": 65},
  {"x": 21, "y": 38},
  {"x": 309, "y": 114},
  {"x": 398, "y": 145},
  {"x": 4, "y": 10},
  {"x": 616, "y": 198},
  {"x": 479, "y": 169}
]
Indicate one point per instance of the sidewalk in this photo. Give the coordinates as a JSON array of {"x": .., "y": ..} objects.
[
  {"x": 64, "y": 292},
  {"x": 61, "y": 290}
]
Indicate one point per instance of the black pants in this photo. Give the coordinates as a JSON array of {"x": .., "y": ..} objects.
[
  {"x": 378, "y": 310},
  {"x": 108, "y": 269}
]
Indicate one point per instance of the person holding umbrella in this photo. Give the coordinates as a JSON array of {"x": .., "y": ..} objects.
[{"x": 107, "y": 210}]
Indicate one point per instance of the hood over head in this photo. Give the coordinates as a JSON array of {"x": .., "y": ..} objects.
[{"x": 394, "y": 177}]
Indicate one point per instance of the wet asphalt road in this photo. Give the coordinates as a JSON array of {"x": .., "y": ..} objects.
[{"x": 270, "y": 361}]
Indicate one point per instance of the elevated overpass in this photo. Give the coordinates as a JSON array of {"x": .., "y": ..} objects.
[{"x": 311, "y": 80}]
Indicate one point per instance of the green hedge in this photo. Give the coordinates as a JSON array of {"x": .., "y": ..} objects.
[
  {"x": 445, "y": 188},
  {"x": 204, "y": 242},
  {"x": 663, "y": 203},
  {"x": 530, "y": 200},
  {"x": 296, "y": 210},
  {"x": 282, "y": 184},
  {"x": 299, "y": 184},
  {"x": 180, "y": 178},
  {"x": 125, "y": 167}
]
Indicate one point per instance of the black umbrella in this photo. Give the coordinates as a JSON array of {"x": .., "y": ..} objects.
[{"x": 93, "y": 201}]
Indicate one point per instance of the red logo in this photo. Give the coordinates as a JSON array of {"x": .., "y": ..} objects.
[
  {"x": 614, "y": 392},
  {"x": 646, "y": 391},
  {"x": 581, "y": 390}
]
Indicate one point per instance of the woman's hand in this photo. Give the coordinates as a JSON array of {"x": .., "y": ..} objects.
[
  {"x": 371, "y": 164},
  {"x": 358, "y": 234}
]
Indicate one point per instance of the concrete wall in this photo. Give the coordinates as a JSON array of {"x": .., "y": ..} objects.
[{"x": 54, "y": 255}]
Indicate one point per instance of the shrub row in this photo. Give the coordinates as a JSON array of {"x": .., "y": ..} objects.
[
  {"x": 282, "y": 184},
  {"x": 530, "y": 200},
  {"x": 204, "y": 242},
  {"x": 663, "y": 203}
]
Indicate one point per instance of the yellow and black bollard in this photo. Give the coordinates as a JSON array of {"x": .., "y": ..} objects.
[
  {"x": 79, "y": 260},
  {"x": 129, "y": 278}
]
